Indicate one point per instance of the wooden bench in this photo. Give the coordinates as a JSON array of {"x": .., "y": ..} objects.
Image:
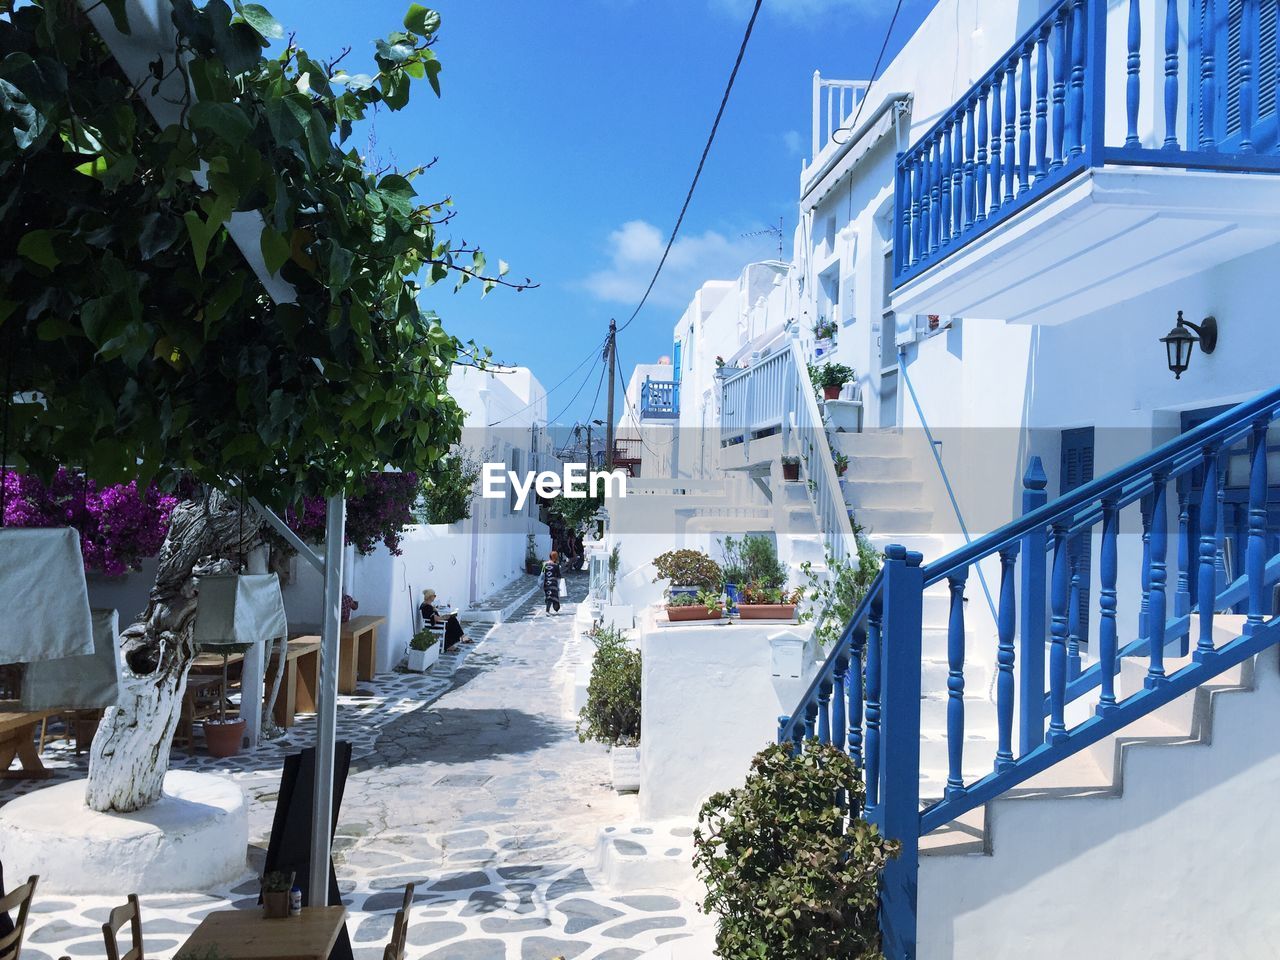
[
  {"x": 18, "y": 741},
  {"x": 358, "y": 651},
  {"x": 301, "y": 679}
]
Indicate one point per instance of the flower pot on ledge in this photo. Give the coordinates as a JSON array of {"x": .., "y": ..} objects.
[
  {"x": 766, "y": 611},
  {"x": 832, "y": 392},
  {"x": 275, "y": 904},
  {"x": 790, "y": 471},
  {"x": 420, "y": 661},
  {"x": 694, "y": 612},
  {"x": 223, "y": 737}
]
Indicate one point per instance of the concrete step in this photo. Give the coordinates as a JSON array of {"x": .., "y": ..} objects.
[
  {"x": 862, "y": 494},
  {"x": 796, "y": 519},
  {"x": 874, "y": 467},
  {"x": 893, "y": 524},
  {"x": 647, "y": 856},
  {"x": 934, "y": 672},
  {"x": 979, "y": 713},
  {"x": 869, "y": 443}
]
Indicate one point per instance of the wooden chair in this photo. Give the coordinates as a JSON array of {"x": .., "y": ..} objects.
[
  {"x": 115, "y": 920},
  {"x": 202, "y": 700},
  {"x": 395, "y": 948},
  {"x": 78, "y": 726},
  {"x": 19, "y": 898}
]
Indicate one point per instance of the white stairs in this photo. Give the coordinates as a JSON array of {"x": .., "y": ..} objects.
[{"x": 885, "y": 493}]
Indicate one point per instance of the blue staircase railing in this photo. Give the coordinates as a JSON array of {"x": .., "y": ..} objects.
[
  {"x": 866, "y": 697},
  {"x": 1039, "y": 116}
]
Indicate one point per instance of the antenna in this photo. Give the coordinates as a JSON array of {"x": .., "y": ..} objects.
[{"x": 779, "y": 231}]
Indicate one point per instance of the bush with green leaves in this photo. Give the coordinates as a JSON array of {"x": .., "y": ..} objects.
[
  {"x": 688, "y": 568},
  {"x": 448, "y": 489},
  {"x": 833, "y": 375},
  {"x": 790, "y": 873},
  {"x": 612, "y": 713},
  {"x": 760, "y": 563},
  {"x": 424, "y": 639},
  {"x": 836, "y": 592}
]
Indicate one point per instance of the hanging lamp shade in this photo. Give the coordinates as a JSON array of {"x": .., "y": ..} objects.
[
  {"x": 44, "y": 596},
  {"x": 88, "y": 682},
  {"x": 239, "y": 609}
]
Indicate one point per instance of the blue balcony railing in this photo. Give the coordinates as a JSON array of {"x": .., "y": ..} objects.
[
  {"x": 1068, "y": 97},
  {"x": 660, "y": 400}
]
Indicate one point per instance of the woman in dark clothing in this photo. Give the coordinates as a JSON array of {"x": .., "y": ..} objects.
[
  {"x": 431, "y": 617},
  {"x": 551, "y": 581}
]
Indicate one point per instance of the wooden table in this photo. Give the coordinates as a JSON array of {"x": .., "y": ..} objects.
[
  {"x": 247, "y": 935},
  {"x": 358, "y": 651},
  {"x": 18, "y": 740},
  {"x": 301, "y": 679}
]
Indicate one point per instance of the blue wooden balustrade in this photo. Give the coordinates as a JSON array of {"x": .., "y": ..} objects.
[
  {"x": 660, "y": 400},
  {"x": 1038, "y": 117},
  {"x": 866, "y": 697}
]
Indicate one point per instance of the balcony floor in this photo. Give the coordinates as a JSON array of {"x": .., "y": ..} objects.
[{"x": 1105, "y": 236}]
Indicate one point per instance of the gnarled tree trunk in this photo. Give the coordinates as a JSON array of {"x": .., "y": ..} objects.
[{"x": 130, "y": 754}]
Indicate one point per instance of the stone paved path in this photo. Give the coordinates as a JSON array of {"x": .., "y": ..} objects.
[{"x": 478, "y": 792}]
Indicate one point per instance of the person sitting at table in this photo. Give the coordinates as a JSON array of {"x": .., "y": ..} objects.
[{"x": 431, "y": 617}]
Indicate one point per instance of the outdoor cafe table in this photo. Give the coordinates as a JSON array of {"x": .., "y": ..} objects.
[
  {"x": 358, "y": 653},
  {"x": 301, "y": 679},
  {"x": 248, "y": 935}
]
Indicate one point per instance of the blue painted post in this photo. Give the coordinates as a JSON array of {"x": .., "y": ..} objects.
[
  {"x": 1073, "y": 608},
  {"x": 955, "y": 685},
  {"x": 1208, "y": 573},
  {"x": 957, "y": 176},
  {"x": 1060, "y": 593},
  {"x": 1245, "y": 71},
  {"x": 1042, "y": 102},
  {"x": 1059, "y": 85},
  {"x": 824, "y": 712},
  {"x": 1220, "y": 532},
  {"x": 926, "y": 173},
  {"x": 1256, "y": 552},
  {"x": 1107, "y": 573},
  {"x": 981, "y": 171},
  {"x": 856, "y": 648},
  {"x": 839, "y": 722},
  {"x": 935, "y": 196},
  {"x": 969, "y": 163},
  {"x": 1094, "y": 130},
  {"x": 1006, "y": 627},
  {"x": 1182, "y": 588},
  {"x": 1024, "y": 120},
  {"x": 944, "y": 164},
  {"x": 899, "y": 815},
  {"x": 1171, "y": 75},
  {"x": 1133, "y": 69},
  {"x": 917, "y": 208},
  {"x": 1208, "y": 82},
  {"x": 1144, "y": 611},
  {"x": 1276, "y": 79},
  {"x": 1010, "y": 129},
  {"x": 1158, "y": 608},
  {"x": 782, "y": 728},
  {"x": 871, "y": 766},
  {"x": 1031, "y": 656},
  {"x": 997, "y": 146},
  {"x": 901, "y": 217},
  {"x": 811, "y": 719},
  {"x": 1075, "y": 102}
]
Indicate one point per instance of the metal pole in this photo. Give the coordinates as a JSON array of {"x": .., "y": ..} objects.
[
  {"x": 608, "y": 424},
  {"x": 327, "y": 701}
]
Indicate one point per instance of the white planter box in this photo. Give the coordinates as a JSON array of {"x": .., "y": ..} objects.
[
  {"x": 624, "y": 763},
  {"x": 619, "y": 615},
  {"x": 843, "y": 416},
  {"x": 421, "y": 661}
]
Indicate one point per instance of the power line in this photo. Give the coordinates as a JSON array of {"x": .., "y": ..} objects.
[
  {"x": 548, "y": 393},
  {"x": 701, "y": 162},
  {"x": 875, "y": 72},
  {"x": 585, "y": 381}
]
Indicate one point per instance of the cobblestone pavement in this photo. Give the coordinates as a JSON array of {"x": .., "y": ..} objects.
[{"x": 474, "y": 788}]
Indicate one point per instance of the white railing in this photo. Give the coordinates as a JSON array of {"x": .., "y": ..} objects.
[
  {"x": 754, "y": 400},
  {"x": 834, "y": 104}
]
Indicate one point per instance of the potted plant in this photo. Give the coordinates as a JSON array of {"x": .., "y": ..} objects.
[
  {"x": 687, "y": 572},
  {"x": 532, "y": 562},
  {"x": 704, "y": 606},
  {"x": 734, "y": 573},
  {"x": 841, "y": 464},
  {"x": 223, "y": 737},
  {"x": 618, "y": 614},
  {"x": 791, "y": 468},
  {"x": 831, "y": 379},
  {"x": 612, "y": 713},
  {"x": 768, "y": 603},
  {"x": 824, "y": 330},
  {"x": 424, "y": 650},
  {"x": 275, "y": 894}
]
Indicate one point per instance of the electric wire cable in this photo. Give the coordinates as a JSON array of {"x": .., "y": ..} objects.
[
  {"x": 561, "y": 383},
  {"x": 875, "y": 73}
]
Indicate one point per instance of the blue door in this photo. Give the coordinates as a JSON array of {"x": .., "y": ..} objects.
[
  {"x": 1243, "y": 42},
  {"x": 1075, "y": 470},
  {"x": 675, "y": 362}
]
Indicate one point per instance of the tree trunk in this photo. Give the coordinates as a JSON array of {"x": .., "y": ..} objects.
[{"x": 130, "y": 754}]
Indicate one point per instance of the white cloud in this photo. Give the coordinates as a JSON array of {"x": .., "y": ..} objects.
[
  {"x": 635, "y": 248},
  {"x": 793, "y": 142}
]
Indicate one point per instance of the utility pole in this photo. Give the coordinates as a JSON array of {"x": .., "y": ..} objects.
[
  {"x": 589, "y": 460},
  {"x": 612, "y": 362}
]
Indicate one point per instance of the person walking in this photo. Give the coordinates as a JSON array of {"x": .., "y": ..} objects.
[{"x": 551, "y": 581}]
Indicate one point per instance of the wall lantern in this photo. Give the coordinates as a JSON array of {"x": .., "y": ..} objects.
[{"x": 1178, "y": 341}]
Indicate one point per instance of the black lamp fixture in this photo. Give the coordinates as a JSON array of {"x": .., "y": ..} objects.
[{"x": 1177, "y": 342}]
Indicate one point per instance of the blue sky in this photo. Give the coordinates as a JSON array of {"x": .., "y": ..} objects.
[{"x": 567, "y": 135}]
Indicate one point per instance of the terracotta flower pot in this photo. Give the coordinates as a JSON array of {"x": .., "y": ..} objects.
[
  {"x": 767, "y": 611},
  {"x": 833, "y": 392},
  {"x": 791, "y": 471},
  {"x": 275, "y": 904},
  {"x": 840, "y": 470},
  {"x": 695, "y": 612},
  {"x": 223, "y": 738}
]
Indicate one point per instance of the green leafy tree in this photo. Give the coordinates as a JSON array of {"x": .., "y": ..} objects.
[{"x": 138, "y": 342}]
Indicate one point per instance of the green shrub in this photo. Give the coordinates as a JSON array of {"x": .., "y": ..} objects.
[
  {"x": 612, "y": 713},
  {"x": 688, "y": 568},
  {"x": 447, "y": 494},
  {"x": 760, "y": 562},
  {"x": 424, "y": 639},
  {"x": 791, "y": 875},
  {"x": 834, "y": 375},
  {"x": 840, "y": 589}
]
